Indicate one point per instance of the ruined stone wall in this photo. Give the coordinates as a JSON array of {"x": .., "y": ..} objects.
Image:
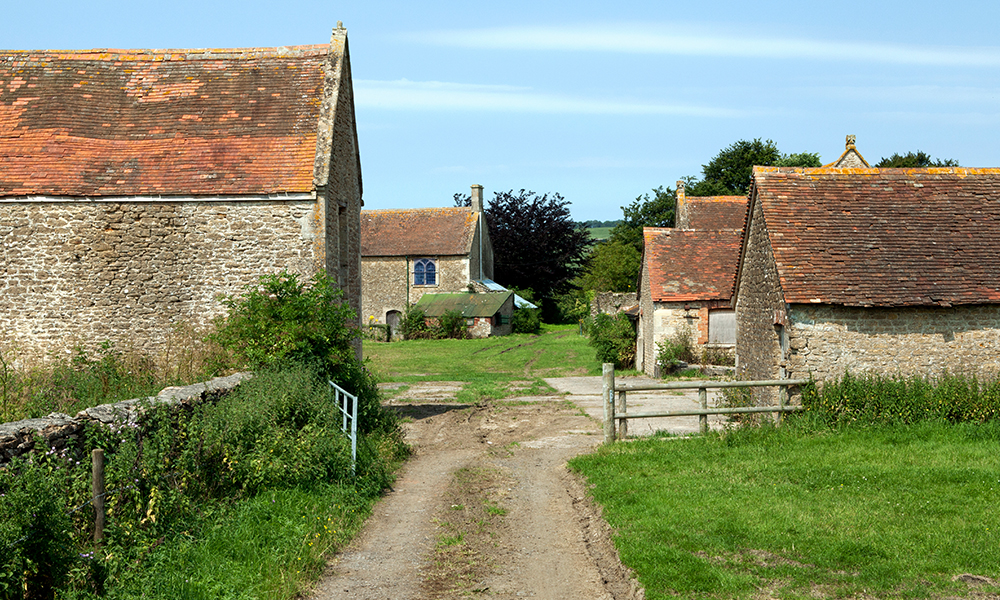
[
  {"x": 825, "y": 341},
  {"x": 385, "y": 280},
  {"x": 645, "y": 351},
  {"x": 80, "y": 273},
  {"x": 611, "y": 303},
  {"x": 759, "y": 304}
]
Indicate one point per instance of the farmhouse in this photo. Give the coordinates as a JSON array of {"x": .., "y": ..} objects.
[
  {"x": 137, "y": 186},
  {"x": 406, "y": 253},
  {"x": 861, "y": 269},
  {"x": 686, "y": 278}
]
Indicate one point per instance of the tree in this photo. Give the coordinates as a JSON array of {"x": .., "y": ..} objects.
[
  {"x": 732, "y": 167},
  {"x": 612, "y": 266},
  {"x": 914, "y": 160},
  {"x": 536, "y": 245},
  {"x": 645, "y": 211},
  {"x": 730, "y": 171}
]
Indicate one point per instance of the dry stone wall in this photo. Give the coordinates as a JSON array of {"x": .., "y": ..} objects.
[
  {"x": 58, "y": 430},
  {"x": 80, "y": 273}
]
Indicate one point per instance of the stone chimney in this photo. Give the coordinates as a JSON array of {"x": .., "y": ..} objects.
[
  {"x": 477, "y": 198},
  {"x": 680, "y": 211}
]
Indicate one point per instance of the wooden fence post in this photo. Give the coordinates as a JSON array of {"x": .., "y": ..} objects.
[
  {"x": 97, "y": 473},
  {"x": 621, "y": 409},
  {"x": 703, "y": 419},
  {"x": 608, "y": 397}
]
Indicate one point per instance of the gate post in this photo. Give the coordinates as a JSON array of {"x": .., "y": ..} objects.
[
  {"x": 703, "y": 419},
  {"x": 608, "y": 398}
]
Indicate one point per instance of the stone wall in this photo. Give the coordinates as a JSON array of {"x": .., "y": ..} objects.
[
  {"x": 611, "y": 303},
  {"x": 759, "y": 306},
  {"x": 385, "y": 282},
  {"x": 825, "y": 341},
  {"x": 79, "y": 273},
  {"x": 58, "y": 430}
]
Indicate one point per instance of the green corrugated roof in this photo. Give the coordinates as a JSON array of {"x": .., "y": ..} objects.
[{"x": 471, "y": 305}]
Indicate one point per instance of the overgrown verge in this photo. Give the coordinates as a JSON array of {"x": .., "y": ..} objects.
[
  {"x": 881, "y": 399},
  {"x": 232, "y": 500}
]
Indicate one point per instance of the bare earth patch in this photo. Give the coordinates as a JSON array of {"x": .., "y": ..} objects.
[{"x": 486, "y": 508}]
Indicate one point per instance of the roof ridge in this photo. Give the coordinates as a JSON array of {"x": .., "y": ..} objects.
[{"x": 167, "y": 53}]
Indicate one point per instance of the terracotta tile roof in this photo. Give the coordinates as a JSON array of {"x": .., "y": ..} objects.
[
  {"x": 417, "y": 232},
  {"x": 883, "y": 237},
  {"x": 714, "y": 212},
  {"x": 140, "y": 122},
  {"x": 689, "y": 265}
]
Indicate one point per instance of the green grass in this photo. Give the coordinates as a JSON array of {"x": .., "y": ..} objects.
[
  {"x": 600, "y": 233},
  {"x": 890, "y": 512},
  {"x": 271, "y": 546},
  {"x": 489, "y": 366}
]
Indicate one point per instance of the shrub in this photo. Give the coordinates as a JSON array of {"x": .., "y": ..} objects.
[
  {"x": 526, "y": 320},
  {"x": 279, "y": 321},
  {"x": 613, "y": 337},
  {"x": 451, "y": 325},
  {"x": 413, "y": 325},
  {"x": 676, "y": 349},
  {"x": 35, "y": 539}
]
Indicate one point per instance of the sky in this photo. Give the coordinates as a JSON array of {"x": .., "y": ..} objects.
[{"x": 596, "y": 101}]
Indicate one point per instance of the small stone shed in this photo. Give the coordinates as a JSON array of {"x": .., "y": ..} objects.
[
  {"x": 138, "y": 186},
  {"x": 869, "y": 270},
  {"x": 486, "y": 314},
  {"x": 406, "y": 253},
  {"x": 687, "y": 275}
]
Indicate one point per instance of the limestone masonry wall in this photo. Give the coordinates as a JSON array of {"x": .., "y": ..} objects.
[
  {"x": 825, "y": 341},
  {"x": 385, "y": 282},
  {"x": 79, "y": 273}
]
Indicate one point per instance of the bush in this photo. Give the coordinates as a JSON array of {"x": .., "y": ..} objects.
[
  {"x": 676, "y": 349},
  {"x": 36, "y": 546},
  {"x": 613, "y": 337},
  {"x": 413, "y": 325},
  {"x": 280, "y": 321},
  {"x": 451, "y": 325},
  {"x": 526, "y": 320}
]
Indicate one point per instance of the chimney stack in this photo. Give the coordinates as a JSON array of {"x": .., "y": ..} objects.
[
  {"x": 680, "y": 210},
  {"x": 477, "y": 198}
]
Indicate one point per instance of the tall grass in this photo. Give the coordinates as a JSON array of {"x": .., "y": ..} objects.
[{"x": 873, "y": 398}]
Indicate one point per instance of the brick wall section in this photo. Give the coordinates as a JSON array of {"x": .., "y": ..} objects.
[
  {"x": 759, "y": 299},
  {"x": 84, "y": 272},
  {"x": 827, "y": 340}
]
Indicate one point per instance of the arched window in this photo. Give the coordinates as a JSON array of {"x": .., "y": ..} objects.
[{"x": 424, "y": 272}]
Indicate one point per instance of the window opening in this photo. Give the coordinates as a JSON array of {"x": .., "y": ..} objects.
[{"x": 424, "y": 272}]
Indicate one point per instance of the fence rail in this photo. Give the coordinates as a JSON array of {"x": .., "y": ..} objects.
[
  {"x": 617, "y": 413},
  {"x": 347, "y": 403}
]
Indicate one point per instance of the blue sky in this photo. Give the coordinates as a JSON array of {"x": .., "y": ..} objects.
[{"x": 598, "y": 102}]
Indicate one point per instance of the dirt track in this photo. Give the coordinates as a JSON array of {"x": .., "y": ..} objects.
[{"x": 485, "y": 508}]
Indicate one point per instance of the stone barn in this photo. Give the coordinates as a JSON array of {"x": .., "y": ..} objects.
[
  {"x": 891, "y": 271},
  {"x": 687, "y": 275},
  {"x": 138, "y": 186},
  {"x": 406, "y": 253}
]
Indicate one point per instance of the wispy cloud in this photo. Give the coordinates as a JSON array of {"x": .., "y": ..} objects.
[
  {"x": 670, "y": 39},
  {"x": 403, "y": 94}
]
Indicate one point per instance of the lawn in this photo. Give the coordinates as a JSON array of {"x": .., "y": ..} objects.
[
  {"x": 798, "y": 512},
  {"x": 488, "y": 366}
]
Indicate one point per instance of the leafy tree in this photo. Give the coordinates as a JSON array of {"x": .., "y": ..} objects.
[
  {"x": 612, "y": 266},
  {"x": 914, "y": 160},
  {"x": 732, "y": 167},
  {"x": 730, "y": 171},
  {"x": 536, "y": 245},
  {"x": 802, "y": 159},
  {"x": 646, "y": 211}
]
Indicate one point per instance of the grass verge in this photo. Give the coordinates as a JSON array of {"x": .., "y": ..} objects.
[{"x": 799, "y": 512}]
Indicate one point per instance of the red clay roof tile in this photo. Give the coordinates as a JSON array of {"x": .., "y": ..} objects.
[
  {"x": 714, "y": 212},
  {"x": 140, "y": 122},
  {"x": 690, "y": 265},
  {"x": 417, "y": 232},
  {"x": 883, "y": 237}
]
